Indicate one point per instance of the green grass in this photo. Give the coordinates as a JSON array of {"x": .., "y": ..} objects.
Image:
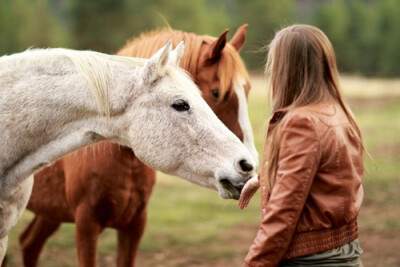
[
  {"x": 381, "y": 129},
  {"x": 190, "y": 226}
]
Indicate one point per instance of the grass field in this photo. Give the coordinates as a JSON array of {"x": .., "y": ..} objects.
[{"x": 191, "y": 226}]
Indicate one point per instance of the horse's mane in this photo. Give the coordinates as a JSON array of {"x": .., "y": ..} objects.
[
  {"x": 231, "y": 66},
  {"x": 95, "y": 68}
]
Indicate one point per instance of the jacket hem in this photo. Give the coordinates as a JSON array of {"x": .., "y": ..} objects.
[{"x": 313, "y": 242}]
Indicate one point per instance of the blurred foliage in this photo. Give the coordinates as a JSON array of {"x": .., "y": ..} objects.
[
  {"x": 27, "y": 23},
  {"x": 105, "y": 25},
  {"x": 365, "y": 33}
]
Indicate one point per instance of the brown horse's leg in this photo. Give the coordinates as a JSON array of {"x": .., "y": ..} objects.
[
  {"x": 87, "y": 232},
  {"x": 128, "y": 240},
  {"x": 34, "y": 237}
]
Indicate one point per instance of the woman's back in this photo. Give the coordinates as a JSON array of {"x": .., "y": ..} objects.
[{"x": 322, "y": 151}]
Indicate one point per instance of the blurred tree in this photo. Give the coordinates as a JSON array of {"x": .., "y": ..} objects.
[
  {"x": 105, "y": 25},
  {"x": 388, "y": 38},
  {"x": 27, "y": 23},
  {"x": 365, "y": 33},
  {"x": 264, "y": 18},
  {"x": 206, "y": 16},
  {"x": 98, "y": 24},
  {"x": 333, "y": 19}
]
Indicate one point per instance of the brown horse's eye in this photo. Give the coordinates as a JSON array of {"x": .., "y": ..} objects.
[{"x": 215, "y": 93}]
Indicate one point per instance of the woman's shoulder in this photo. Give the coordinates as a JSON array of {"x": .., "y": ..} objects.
[
  {"x": 305, "y": 114},
  {"x": 299, "y": 119},
  {"x": 325, "y": 113}
]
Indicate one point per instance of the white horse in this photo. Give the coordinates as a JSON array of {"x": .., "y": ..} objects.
[{"x": 54, "y": 101}]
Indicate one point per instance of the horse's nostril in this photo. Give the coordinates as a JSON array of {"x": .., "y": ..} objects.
[
  {"x": 245, "y": 166},
  {"x": 225, "y": 182}
]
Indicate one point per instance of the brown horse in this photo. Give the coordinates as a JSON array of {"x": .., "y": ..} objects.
[{"x": 105, "y": 185}]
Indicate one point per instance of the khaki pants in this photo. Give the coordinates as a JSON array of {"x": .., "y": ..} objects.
[{"x": 345, "y": 256}]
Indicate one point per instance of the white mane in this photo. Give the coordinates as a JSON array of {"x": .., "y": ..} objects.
[
  {"x": 95, "y": 68},
  {"x": 183, "y": 79}
]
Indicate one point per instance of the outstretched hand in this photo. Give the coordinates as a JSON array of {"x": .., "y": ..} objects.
[{"x": 248, "y": 191}]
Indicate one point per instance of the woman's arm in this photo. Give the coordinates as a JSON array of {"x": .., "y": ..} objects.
[{"x": 298, "y": 160}]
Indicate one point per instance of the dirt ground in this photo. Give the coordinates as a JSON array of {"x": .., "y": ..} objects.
[{"x": 381, "y": 246}]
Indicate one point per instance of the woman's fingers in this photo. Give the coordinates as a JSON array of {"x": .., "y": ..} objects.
[
  {"x": 243, "y": 203},
  {"x": 249, "y": 189},
  {"x": 245, "y": 200}
]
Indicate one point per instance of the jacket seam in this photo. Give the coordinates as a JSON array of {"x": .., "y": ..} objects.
[
  {"x": 340, "y": 176},
  {"x": 318, "y": 137}
]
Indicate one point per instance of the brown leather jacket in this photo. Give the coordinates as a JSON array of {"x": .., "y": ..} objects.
[{"x": 314, "y": 203}]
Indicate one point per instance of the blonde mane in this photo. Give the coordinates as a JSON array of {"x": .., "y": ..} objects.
[
  {"x": 231, "y": 66},
  {"x": 95, "y": 68}
]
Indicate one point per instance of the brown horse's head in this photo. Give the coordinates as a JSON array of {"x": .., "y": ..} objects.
[{"x": 216, "y": 68}]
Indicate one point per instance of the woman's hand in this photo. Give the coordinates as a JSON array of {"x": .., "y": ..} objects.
[{"x": 248, "y": 191}]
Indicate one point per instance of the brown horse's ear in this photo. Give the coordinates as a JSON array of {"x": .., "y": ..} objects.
[
  {"x": 215, "y": 49},
  {"x": 239, "y": 38}
]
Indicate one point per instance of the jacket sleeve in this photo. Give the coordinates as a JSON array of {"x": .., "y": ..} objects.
[{"x": 298, "y": 161}]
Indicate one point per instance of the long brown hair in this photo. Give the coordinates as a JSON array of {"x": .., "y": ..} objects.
[{"x": 301, "y": 67}]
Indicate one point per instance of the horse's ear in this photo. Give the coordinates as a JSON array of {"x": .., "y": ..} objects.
[
  {"x": 239, "y": 37},
  {"x": 163, "y": 59},
  {"x": 176, "y": 54},
  {"x": 156, "y": 67},
  {"x": 215, "y": 49}
]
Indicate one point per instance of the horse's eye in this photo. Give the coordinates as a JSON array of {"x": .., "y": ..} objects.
[
  {"x": 180, "y": 105},
  {"x": 215, "y": 93}
]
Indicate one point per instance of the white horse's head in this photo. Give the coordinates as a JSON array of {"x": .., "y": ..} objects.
[{"x": 175, "y": 131}]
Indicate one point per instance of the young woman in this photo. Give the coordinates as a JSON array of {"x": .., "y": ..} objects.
[{"x": 312, "y": 168}]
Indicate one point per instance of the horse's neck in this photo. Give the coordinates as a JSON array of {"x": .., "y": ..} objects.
[{"x": 54, "y": 116}]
